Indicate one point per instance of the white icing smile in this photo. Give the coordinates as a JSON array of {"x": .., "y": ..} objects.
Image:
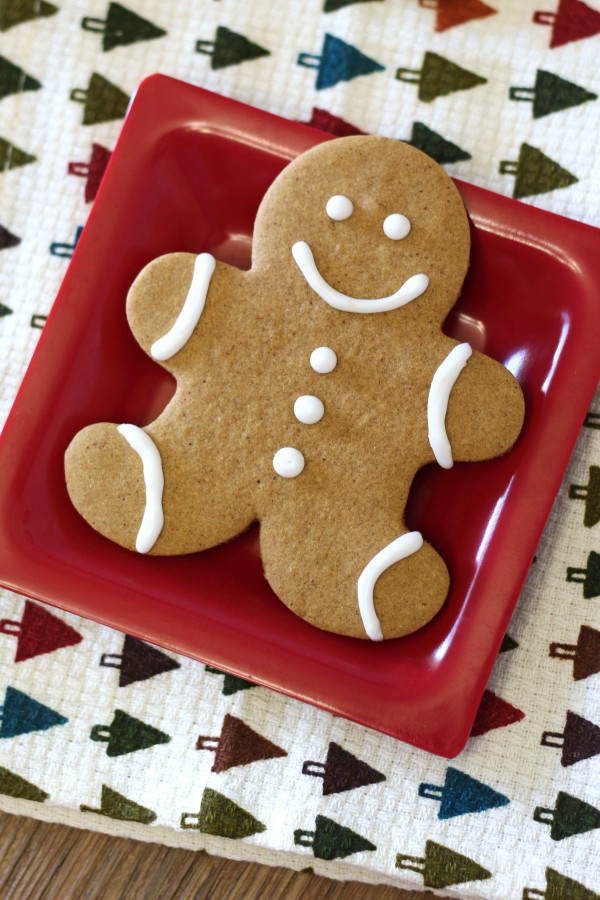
[{"x": 412, "y": 288}]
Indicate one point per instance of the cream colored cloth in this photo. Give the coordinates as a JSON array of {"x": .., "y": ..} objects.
[{"x": 504, "y": 816}]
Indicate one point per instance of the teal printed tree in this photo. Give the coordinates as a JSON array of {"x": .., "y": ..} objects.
[
  {"x": 330, "y": 840},
  {"x": 338, "y": 61},
  {"x": 222, "y": 817},
  {"x": 535, "y": 173},
  {"x": 461, "y": 794},
  {"x": 550, "y": 94},
  {"x": 442, "y": 867},
  {"x": 439, "y": 77},
  {"x": 66, "y": 248},
  {"x": 121, "y": 27},
  {"x": 15, "y": 12},
  {"x": 230, "y": 49},
  {"x": 570, "y": 816},
  {"x": 21, "y": 714},
  {"x": 341, "y": 771}
]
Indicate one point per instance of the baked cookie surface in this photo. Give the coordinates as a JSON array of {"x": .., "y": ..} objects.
[{"x": 310, "y": 390}]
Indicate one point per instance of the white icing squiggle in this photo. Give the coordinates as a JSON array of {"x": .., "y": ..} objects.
[
  {"x": 181, "y": 331},
  {"x": 404, "y": 546},
  {"x": 437, "y": 403},
  {"x": 412, "y": 288},
  {"x": 153, "y": 519}
]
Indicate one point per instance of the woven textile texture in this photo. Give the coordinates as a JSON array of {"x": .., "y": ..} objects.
[{"x": 103, "y": 731}]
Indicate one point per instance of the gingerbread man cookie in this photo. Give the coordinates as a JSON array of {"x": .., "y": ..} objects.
[{"x": 310, "y": 390}]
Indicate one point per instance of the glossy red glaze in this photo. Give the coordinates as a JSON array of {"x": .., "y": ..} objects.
[{"x": 188, "y": 173}]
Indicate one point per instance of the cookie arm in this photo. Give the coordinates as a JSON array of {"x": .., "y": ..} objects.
[
  {"x": 485, "y": 411},
  {"x": 165, "y": 304}
]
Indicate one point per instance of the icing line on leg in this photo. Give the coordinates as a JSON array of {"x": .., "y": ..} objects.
[
  {"x": 400, "y": 548},
  {"x": 153, "y": 519},
  {"x": 441, "y": 386},
  {"x": 181, "y": 331}
]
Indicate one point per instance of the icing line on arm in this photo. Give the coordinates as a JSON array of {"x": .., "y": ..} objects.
[
  {"x": 153, "y": 519},
  {"x": 442, "y": 383},
  {"x": 400, "y": 548},
  {"x": 181, "y": 331}
]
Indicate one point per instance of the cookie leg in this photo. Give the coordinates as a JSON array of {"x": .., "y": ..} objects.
[
  {"x": 137, "y": 489},
  {"x": 353, "y": 572}
]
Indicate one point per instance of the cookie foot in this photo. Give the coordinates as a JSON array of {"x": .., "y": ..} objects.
[
  {"x": 393, "y": 553},
  {"x": 371, "y": 584}
]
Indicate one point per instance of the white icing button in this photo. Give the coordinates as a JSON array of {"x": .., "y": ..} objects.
[
  {"x": 323, "y": 360},
  {"x": 288, "y": 462},
  {"x": 339, "y": 207},
  {"x": 396, "y": 226},
  {"x": 309, "y": 409}
]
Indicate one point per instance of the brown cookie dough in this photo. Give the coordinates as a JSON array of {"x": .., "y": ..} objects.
[{"x": 310, "y": 390}]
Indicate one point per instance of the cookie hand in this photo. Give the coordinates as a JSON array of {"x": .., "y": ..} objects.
[{"x": 485, "y": 410}]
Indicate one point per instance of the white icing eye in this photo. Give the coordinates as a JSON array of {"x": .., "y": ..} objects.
[
  {"x": 339, "y": 207},
  {"x": 396, "y": 226}
]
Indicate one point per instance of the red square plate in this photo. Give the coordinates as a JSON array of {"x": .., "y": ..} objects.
[{"x": 188, "y": 173}]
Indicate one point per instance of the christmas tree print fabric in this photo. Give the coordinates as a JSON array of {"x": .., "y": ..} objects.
[{"x": 105, "y": 731}]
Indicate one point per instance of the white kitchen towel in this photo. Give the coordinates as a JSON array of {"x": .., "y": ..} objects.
[{"x": 103, "y": 731}]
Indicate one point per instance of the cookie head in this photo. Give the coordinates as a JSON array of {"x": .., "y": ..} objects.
[{"x": 370, "y": 225}]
